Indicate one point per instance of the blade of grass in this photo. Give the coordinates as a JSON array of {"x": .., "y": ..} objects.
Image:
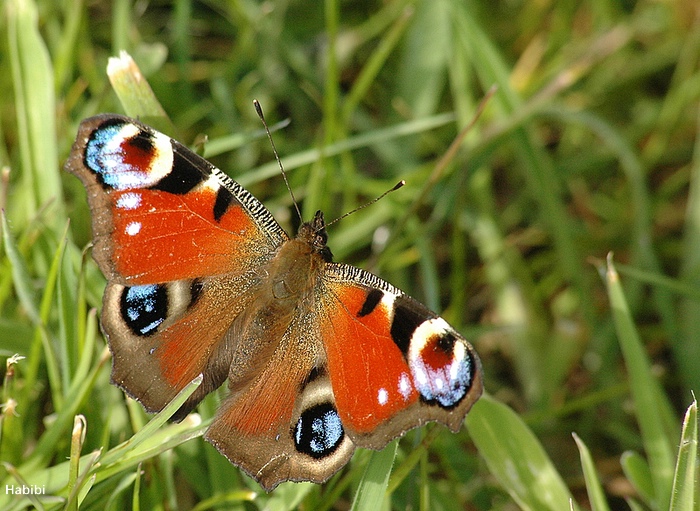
[
  {"x": 286, "y": 497},
  {"x": 372, "y": 489},
  {"x": 76, "y": 447},
  {"x": 35, "y": 105},
  {"x": 145, "y": 444},
  {"x": 636, "y": 469},
  {"x": 135, "y": 94},
  {"x": 685, "y": 487},
  {"x": 29, "y": 299},
  {"x": 424, "y": 60},
  {"x": 366, "y": 139},
  {"x": 75, "y": 398},
  {"x": 414, "y": 457},
  {"x": 374, "y": 65},
  {"x": 688, "y": 347},
  {"x": 55, "y": 280},
  {"x": 11, "y": 432},
  {"x": 596, "y": 495},
  {"x": 154, "y": 424},
  {"x": 20, "y": 274},
  {"x": 644, "y": 392},
  {"x": 515, "y": 457}
]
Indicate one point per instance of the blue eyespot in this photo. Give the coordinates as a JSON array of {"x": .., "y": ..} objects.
[
  {"x": 319, "y": 431},
  {"x": 122, "y": 156},
  {"x": 144, "y": 308},
  {"x": 443, "y": 371}
]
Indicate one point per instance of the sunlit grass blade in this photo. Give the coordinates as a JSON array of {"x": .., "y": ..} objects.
[
  {"x": 121, "y": 458},
  {"x": 286, "y": 497},
  {"x": 77, "y": 441},
  {"x": 685, "y": 478},
  {"x": 644, "y": 391},
  {"x": 596, "y": 495},
  {"x": 241, "y": 496},
  {"x": 135, "y": 94},
  {"x": 515, "y": 457},
  {"x": 35, "y": 108},
  {"x": 375, "y": 480},
  {"x": 366, "y": 139},
  {"x": 147, "y": 433},
  {"x": 634, "y": 505}
]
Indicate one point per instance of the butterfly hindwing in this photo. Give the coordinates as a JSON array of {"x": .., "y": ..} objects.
[
  {"x": 163, "y": 335},
  {"x": 283, "y": 425}
]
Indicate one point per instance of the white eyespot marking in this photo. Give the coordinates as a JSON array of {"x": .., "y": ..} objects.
[
  {"x": 129, "y": 201},
  {"x": 162, "y": 163},
  {"x": 133, "y": 228},
  {"x": 405, "y": 385},
  {"x": 439, "y": 362},
  {"x": 128, "y": 130},
  {"x": 420, "y": 375},
  {"x": 382, "y": 396},
  {"x": 459, "y": 353}
]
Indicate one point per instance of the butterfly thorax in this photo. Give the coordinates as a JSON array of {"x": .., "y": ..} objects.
[{"x": 298, "y": 264}]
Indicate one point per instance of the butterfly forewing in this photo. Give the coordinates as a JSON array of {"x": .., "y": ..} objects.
[
  {"x": 163, "y": 213},
  {"x": 393, "y": 363}
]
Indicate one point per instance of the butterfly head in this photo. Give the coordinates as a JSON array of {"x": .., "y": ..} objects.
[{"x": 314, "y": 233}]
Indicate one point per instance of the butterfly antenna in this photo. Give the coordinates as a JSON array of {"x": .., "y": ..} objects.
[
  {"x": 393, "y": 189},
  {"x": 258, "y": 109}
]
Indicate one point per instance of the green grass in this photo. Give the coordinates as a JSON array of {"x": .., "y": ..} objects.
[{"x": 588, "y": 147}]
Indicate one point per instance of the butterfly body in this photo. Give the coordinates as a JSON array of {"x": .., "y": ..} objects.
[{"x": 320, "y": 356}]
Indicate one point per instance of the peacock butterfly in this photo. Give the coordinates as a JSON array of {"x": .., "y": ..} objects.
[{"x": 320, "y": 357}]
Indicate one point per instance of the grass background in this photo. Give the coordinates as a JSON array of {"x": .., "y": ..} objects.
[{"x": 588, "y": 146}]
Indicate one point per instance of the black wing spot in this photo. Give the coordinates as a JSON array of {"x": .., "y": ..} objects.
[
  {"x": 143, "y": 141},
  {"x": 184, "y": 176},
  {"x": 446, "y": 343},
  {"x": 407, "y": 317},
  {"x": 373, "y": 298},
  {"x": 224, "y": 199}
]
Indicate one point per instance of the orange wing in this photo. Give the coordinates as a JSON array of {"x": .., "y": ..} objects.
[
  {"x": 393, "y": 364},
  {"x": 162, "y": 213}
]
